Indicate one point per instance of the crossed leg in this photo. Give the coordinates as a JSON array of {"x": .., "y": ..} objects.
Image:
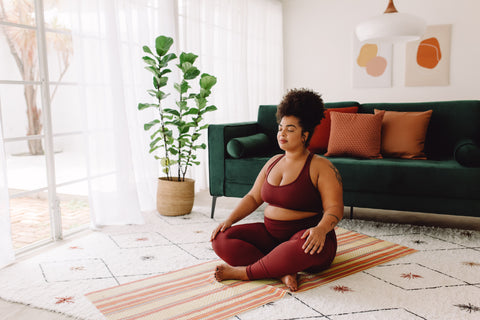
[{"x": 252, "y": 253}]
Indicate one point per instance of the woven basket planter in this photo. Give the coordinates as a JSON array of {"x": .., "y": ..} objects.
[{"x": 175, "y": 198}]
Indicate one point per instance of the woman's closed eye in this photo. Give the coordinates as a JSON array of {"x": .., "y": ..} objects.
[{"x": 289, "y": 128}]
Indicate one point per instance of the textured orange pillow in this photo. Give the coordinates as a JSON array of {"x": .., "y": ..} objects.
[
  {"x": 319, "y": 141},
  {"x": 403, "y": 134},
  {"x": 356, "y": 135}
]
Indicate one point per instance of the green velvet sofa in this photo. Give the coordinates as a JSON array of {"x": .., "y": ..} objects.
[{"x": 448, "y": 182}]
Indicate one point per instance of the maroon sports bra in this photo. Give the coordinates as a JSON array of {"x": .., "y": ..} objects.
[{"x": 300, "y": 195}]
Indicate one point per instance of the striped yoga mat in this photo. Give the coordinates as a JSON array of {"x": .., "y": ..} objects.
[
  {"x": 190, "y": 293},
  {"x": 193, "y": 293}
]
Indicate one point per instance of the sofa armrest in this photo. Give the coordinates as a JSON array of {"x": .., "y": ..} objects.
[
  {"x": 467, "y": 153},
  {"x": 218, "y": 137}
]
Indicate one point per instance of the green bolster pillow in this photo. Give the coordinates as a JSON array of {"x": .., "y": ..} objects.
[
  {"x": 467, "y": 153},
  {"x": 248, "y": 146}
]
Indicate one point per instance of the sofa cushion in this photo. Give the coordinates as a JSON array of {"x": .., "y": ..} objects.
[
  {"x": 467, "y": 153},
  {"x": 403, "y": 134},
  {"x": 320, "y": 137},
  {"x": 355, "y": 135},
  {"x": 441, "y": 179},
  {"x": 249, "y": 146}
]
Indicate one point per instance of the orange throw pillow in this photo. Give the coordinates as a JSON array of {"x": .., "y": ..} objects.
[
  {"x": 403, "y": 134},
  {"x": 319, "y": 141},
  {"x": 355, "y": 135}
]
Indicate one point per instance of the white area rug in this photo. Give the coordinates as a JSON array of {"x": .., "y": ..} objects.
[{"x": 441, "y": 281}]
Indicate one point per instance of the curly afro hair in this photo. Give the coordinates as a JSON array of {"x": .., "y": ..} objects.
[{"x": 305, "y": 104}]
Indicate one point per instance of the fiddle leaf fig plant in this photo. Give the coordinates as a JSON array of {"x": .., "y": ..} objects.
[{"x": 176, "y": 129}]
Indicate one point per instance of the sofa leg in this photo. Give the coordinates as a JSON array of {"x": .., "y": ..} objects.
[
  {"x": 214, "y": 202},
  {"x": 351, "y": 212}
]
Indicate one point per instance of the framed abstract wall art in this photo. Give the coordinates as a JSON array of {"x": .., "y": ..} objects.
[
  {"x": 372, "y": 65},
  {"x": 427, "y": 61}
]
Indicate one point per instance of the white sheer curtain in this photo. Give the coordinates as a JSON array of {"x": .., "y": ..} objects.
[
  {"x": 108, "y": 36},
  {"x": 6, "y": 247},
  {"x": 239, "y": 42}
]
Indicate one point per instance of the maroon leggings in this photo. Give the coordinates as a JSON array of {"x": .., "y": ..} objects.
[{"x": 274, "y": 248}]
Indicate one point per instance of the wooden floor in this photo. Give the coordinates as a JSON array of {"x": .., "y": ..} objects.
[{"x": 16, "y": 311}]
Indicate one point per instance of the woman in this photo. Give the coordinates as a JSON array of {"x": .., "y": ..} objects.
[{"x": 305, "y": 202}]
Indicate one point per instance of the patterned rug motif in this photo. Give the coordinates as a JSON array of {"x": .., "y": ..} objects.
[{"x": 440, "y": 281}]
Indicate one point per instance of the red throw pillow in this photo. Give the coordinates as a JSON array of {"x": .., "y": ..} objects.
[
  {"x": 319, "y": 141},
  {"x": 356, "y": 135}
]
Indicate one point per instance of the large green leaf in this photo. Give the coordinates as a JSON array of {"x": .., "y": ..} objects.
[
  {"x": 162, "y": 95},
  {"x": 150, "y": 124},
  {"x": 211, "y": 108},
  {"x": 199, "y": 146},
  {"x": 201, "y": 102},
  {"x": 191, "y": 111},
  {"x": 191, "y": 73},
  {"x": 176, "y": 86},
  {"x": 181, "y": 142},
  {"x": 184, "y": 66},
  {"x": 165, "y": 71},
  {"x": 153, "y": 70},
  {"x": 166, "y": 59},
  {"x": 158, "y": 132},
  {"x": 181, "y": 87},
  {"x": 184, "y": 86},
  {"x": 187, "y": 57},
  {"x": 153, "y": 149},
  {"x": 207, "y": 81},
  {"x": 195, "y": 136},
  {"x": 142, "y": 106},
  {"x": 154, "y": 142},
  {"x": 181, "y": 104},
  {"x": 172, "y": 111},
  {"x": 169, "y": 140},
  {"x": 147, "y": 50},
  {"x": 162, "y": 81},
  {"x": 204, "y": 93},
  {"x": 162, "y": 45},
  {"x": 149, "y": 61},
  {"x": 183, "y": 129}
]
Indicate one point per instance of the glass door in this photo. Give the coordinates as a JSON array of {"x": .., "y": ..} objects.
[{"x": 42, "y": 126}]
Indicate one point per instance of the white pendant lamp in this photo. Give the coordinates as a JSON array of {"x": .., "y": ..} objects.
[{"x": 391, "y": 26}]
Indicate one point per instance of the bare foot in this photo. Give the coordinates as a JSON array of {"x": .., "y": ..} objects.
[
  {"x": 227, "y": 272},
  {"x": 290, "y": 280}
]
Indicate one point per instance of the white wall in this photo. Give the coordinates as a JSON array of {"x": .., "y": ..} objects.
[{"x": 318, "y": 48}]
